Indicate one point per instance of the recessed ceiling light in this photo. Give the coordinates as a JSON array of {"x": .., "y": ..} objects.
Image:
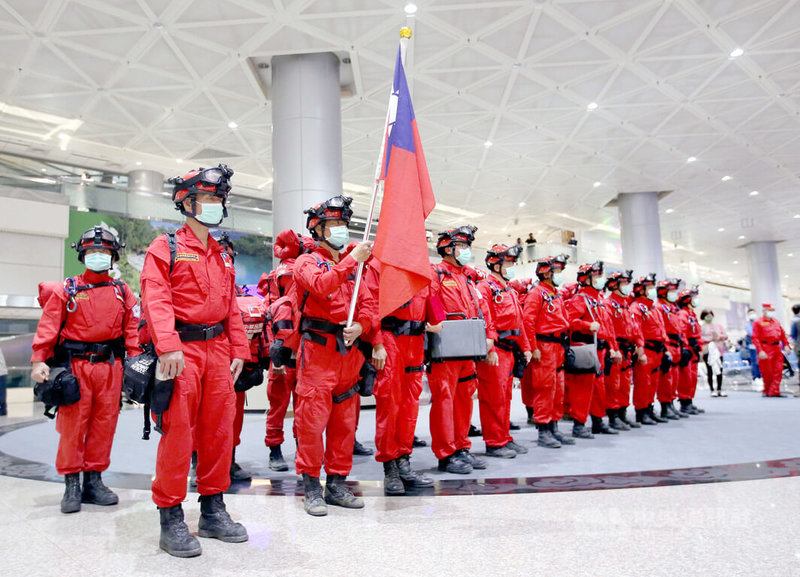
[
  {"x": 691, "y": 159},
  {"x": 232, "y": 125},
  {"x": 138, "y": 163},
  {"x": 591, "y": 106},
  {"x": 521, "y": 204},
  {"x": 669, "y": 211},
  {"x": 786, "y": 276},
  {"x": 598, "y": 183},
  {"x": 158, "y": 25},
  {"x": 742, "y": 237},
  {"x": 754, "y": 193},
  {"x": 178, "y": 160},
  {"x": 516, "y": 65},
  {"x": 726, "y": 178},
  {"x": 796, "y": 216},
  {"x": 44, "y": 170},
  {"x": 488, "y": 143},
  {"x": 790, "y": 254},
  {"x": 737, "y": 52},
  {"x": 410, "y": 8},
  {"x": 700, "y": 252},
  {"x": 721, "y": 229},
  {"x": 736, "y": 262}
]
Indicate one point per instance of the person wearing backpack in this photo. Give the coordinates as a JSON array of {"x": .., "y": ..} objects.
[
  {"x": 189, "y": 304},
  {"x": 328, "y": 363},
  {"x": 87, "y": 327}
]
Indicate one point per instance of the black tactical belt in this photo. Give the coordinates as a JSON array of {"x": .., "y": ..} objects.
[
  {"x": 419, "y": 369},
  {"x": 655, "y": 346},
  {"x": 311, "y": 329},
  {"x": 468, "y": 378},
  {"x": 400, "y": 327},
  {"x": 552, "y": 338},
  {"x": 508, "y": 333},
  {"x": 582, "y": 338},
  {"x": 190, "y": 333},
  {"x": 97, "y": 352}
]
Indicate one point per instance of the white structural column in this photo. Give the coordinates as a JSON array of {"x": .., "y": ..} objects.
[
  {"x": 765, "y": 278},
  {"x": 306, "y": 135},
  {"x": 641, "y": 233}
]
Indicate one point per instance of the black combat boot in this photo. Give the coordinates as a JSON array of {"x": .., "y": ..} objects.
[
  {"x": 599, "y": 427},
  {"x": 276, "y": 460},
  {"x": 615, "y": 422},
  {"x": 215, "y": 522},
  {"x": 337, "y": 493},
  {"x": 193, "y": 471},
  {"x": 546, "y": 438},
  {"x": 563, "y": 439},
  {"x": 579, "y": 431},
  {"x": 517, "y": 448},
  {"x": 313, "y": 503},
  {"x": 392, "y": 484},
  {"x": 474, "y": 431},
  {"x": 454, "y": 464},
  {"x": 513, "y": 427},
  {"x": 237, "y": 473},
  {"x": 409, "y": 476},
  {"x": 696, "y": 408},
  {"x": 651, "y": 411},
  {"x": 666, "y": 413},
  {"x": 623, "y": 416},
  {"x": 175, "y": 537},
  {"x": 500, "y": 452},
  {"x": 643, "y": 417},
  {"x": 419, "y": 442},
  {"x": 681, "y": 414},
  {"x": 94, "y": 491},
  {"x": 361, "y": 450},
  {"x": 71, "y": 501},
  {"x": 476, "y": 462},
  {"x": 529, "y": 410},
  {"x": 686, "y": 407}
]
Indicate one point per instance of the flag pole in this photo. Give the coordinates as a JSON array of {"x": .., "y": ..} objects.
[{"x": 405, "y": 34}]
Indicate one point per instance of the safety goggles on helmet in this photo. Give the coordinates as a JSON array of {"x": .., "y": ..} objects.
[
  {"x": 614, "y": 279},
  {"x": 336, "y": 208},
  {"x": 550, "y": 263},
  {"x": 500, "y": 252},
  {"x": 465, "y": 234},
  {"x": 213, "y": 181},
  {"x": 98, "y": 237},
  {"x": 666, "y": 285},
  {"x": 640, "y": 284},
  {"x": 585, "y": 271},
  {"x": 686, "y": 295}
]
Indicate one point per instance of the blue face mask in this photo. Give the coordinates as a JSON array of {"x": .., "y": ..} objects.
[
  {"x": 625, "y": 289},
  {"x": 510, "y": 274},
  {"x": 339, "y": 237},
  {"x": 212, "y": 213},
  {"x": 97, "y": 261},
  {"x": 464, "y": 256},
  {"x": 598, "y": 282},
  {"x": 558, "y": 278},
  {"x": 652, "y": 294}
]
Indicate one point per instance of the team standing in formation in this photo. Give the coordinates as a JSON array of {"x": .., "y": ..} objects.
[{"x": 588, "y": 349}]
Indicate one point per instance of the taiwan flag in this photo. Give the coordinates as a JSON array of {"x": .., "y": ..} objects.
[{"x": 401, "y": 246}]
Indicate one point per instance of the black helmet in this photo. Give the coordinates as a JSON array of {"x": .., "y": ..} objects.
[
  {"x": 450, "y": 237},
  {"x": 614, "y": 279},
  {"x": 216, "y": 181},
  {"x": 336, "y": 208},
  {"x": 98, "y": 237},
  {"x": 547, "y": 264}
]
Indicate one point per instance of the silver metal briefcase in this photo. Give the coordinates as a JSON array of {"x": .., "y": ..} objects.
[{"x": 459, "y": 340}]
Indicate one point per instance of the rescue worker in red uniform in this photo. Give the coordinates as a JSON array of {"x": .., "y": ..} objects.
[
  {"x": 513, "y": 352},
  {"x": 690, "y": 356},
  {"x": 651, "y": 337},
  {"x": 398, "y": 353},
  {"x": 453, "y": 382},
  {"x": 189, "y": 304},
  {"x": 87, "y": 327},
  {"x": 667, "y": 291},
  {"x": 546, "y": 326},
  {"x": 282, "y": 380},
  {"x": 328, "y": 363},
  {"x": 587, "y": 322},
  {"x": 769, "y": 339},
  {"x": 618, "y": 375}
]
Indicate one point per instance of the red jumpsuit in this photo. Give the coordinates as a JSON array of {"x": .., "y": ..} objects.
[
  {"x": 546, "y": 326},
  {"x": 652, "y": 337},
  {"x": 618, "y": 380},
  {"x": 496, "y": 382},
  {"x": 322, "y": 370},
  {"x": 668, "y": 382},
  {"x": 453, "y": 383},
  {"x": 587, "y": 391},
  {"x": 769, "y": 337},
  {"x": 692, "y": 336},
  {"x": 257, "y": 351},
  {"x": 87, "y": 427},
  {"x": 399, "y": 384},
  {"x": 200, "y": 290},
  {"x": 280, "y": 384}
]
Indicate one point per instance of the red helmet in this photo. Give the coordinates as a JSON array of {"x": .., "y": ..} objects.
[
  {"x": 500, "y": 252},
  {"x": 98, "y": 237},
  {"x": 614, "y": 279},
  {"x": 666, "y": 285},
  {"x": 640, "y": 284},
  {"x": 336, "y": 208},
  {"x": 289, "y": 244},
  {"x": 214, "y": 181},
  {"x": 450, "y": 237},
  {"x": 585, "y": 271},
  {"x": 548, "y": 264},
  {"x": 686, "y": 295}
]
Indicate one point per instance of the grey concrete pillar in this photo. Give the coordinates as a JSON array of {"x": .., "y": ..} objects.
[
  {"x": 306, "y": 135},
  {"x": 765, "y": 278},
  {"x": 641, "y": 233},
  {"x": 145, "y": 181}
]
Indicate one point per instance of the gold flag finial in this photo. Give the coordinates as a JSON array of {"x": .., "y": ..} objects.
[{"x": 405, "y": 32}]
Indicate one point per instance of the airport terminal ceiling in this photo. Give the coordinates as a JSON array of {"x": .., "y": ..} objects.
[{"x": 532, "y": 113}]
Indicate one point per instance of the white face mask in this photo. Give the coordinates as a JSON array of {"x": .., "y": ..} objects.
[
  {"x": 751, "y": 317},
  {"x": 672, "y": 296},
  {"x": 770, "y": 314},
  {"x": 558, "y": 278},
  {"x": 625, "y": 289},
  {"x": 598, "y": 282},
  {"x": 695, "y": 302},
  {"x": 652, "y": 294}
]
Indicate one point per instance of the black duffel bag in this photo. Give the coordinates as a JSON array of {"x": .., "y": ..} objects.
[
  {"x": 137, "y": 378},
  {"x": 251, "y": 376},
  {"x": 60, "y": 390}
]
